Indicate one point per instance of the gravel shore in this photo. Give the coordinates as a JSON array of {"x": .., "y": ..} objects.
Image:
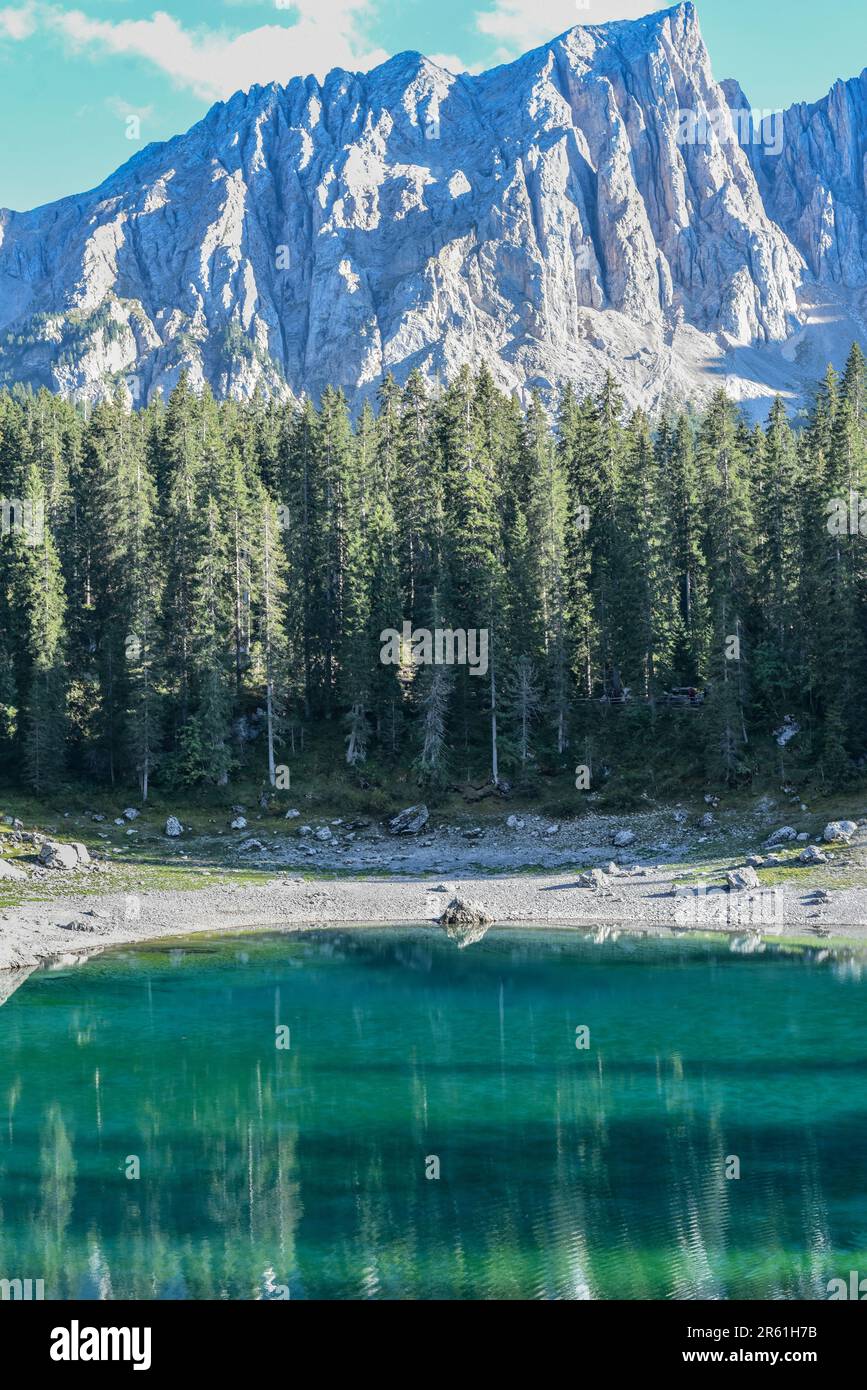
[
  {"x": 643, "y": 900},
  {"x": 670, "y": 876}
]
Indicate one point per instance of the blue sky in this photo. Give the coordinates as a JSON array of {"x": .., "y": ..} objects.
[{"x": 71, "y": 74}]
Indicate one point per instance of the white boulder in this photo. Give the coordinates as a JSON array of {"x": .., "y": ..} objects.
[
  {"x": 839, "y": 832},
  {"x": 742, "y": 880}
]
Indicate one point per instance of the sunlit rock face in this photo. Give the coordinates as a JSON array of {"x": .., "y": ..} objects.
[
  {"x": 546, "y": 218},
  {"x": 817, "y": 188}
]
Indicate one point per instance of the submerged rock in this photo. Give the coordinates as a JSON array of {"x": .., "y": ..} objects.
[
  {"x": 463, "y": 913},
  {"x": 750, "y": 945},
  {"x": 465, "y": 922},
  {"x": 466, "y": 936}
]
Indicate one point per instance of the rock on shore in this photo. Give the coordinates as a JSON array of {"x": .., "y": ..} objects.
[{"x": 465, "y": 922}]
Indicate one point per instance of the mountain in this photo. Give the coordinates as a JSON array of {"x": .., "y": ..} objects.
[
  {"x": 815, "y": 189},
  {"x": 547, "y": 217}
]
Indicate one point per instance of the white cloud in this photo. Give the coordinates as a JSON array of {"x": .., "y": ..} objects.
[
  {"x": 214, "y": 63},
  {"x": 305, "y": 36},
  {"x": 519, "y": 25},
  {"x": 122, "y": 109},
  {"x": 17, "y": 23},
  {"x": 452, "y": 63}
]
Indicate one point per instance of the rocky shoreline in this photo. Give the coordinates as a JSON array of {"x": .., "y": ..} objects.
[
  {"x": 648, "y": 901},
  {"x": 660, "y": 871}
]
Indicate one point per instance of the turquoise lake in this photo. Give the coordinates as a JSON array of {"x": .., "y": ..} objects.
[{"x": 309, "y": 1170}]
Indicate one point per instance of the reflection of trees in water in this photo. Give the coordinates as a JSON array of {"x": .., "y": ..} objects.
[
  {"x": 57, "y": 1174},
  {"x": 233, "y": 1216},
  {"x": 56, "y": 1195},
  {"x": 576, "y": 1206},
  {"x": 584, "y": 1207},
  {"x": 573, "y": 1205},
  {"x": 212, "y": 1216},
  {"x": 592, "y": 1175}
]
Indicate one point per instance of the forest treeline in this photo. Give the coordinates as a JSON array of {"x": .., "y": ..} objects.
[{"x": 201, "y": 561}]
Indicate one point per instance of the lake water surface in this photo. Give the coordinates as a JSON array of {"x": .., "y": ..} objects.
[{"x": 309, "y": 1170}]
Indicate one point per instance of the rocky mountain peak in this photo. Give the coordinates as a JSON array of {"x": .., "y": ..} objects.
[{"x": 546, "y": 217}]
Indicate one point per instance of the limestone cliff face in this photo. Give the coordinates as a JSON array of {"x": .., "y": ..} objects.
[
  {"x": 816, "y": 189},
  {"x": 544, "y": 217}
]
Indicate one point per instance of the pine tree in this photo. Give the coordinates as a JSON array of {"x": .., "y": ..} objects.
[
  {"x": 142, "y": 604},
  {"x": 523, "y": 702},
  {"x": 416, "y": 495},
  {"x": 577, "y": 442},
  {"x": 679, "y": 498},
  {"x": 382, "y": 603},
  {"x": 721, "y": 459},
  {"x": 475, "y": 583},
  {"x": 271, "y": 659},
  {"x": 328, "y": 548},
  {"x": 201, "y": 561},
  {"x": 774, "y": 468},
  {"x": 37, "y": 598}
]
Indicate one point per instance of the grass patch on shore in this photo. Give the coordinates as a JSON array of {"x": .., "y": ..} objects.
[{"x": 206, "y": 855}]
